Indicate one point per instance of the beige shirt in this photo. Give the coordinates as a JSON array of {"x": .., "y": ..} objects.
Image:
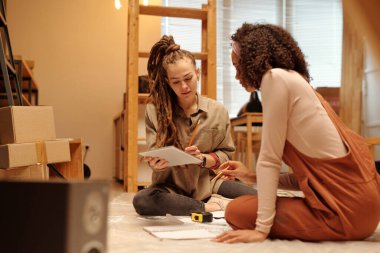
[
  {"x": 213, "y": 135},
  {"x": 292, "y": 112}
]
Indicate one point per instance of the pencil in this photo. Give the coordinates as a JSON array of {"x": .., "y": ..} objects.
[
  {"x": 194, "y": 133},
  {"x": 218, "y": 175}
]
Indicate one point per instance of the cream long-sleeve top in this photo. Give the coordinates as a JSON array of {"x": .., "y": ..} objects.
[{"x": 292, "y": 112}]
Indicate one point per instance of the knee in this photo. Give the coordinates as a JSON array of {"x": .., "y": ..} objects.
[
  {"x": 231, "y": 214},
  {"x": 139, "y": 203},
  {"x": 142, "y": 203},
  {"x": 241, "y": 212},
  {"x": 147, "y": 201}
]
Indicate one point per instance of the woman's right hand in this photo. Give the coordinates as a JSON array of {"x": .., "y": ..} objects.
[
  {"x": 156, "y": 163},
  {"x": 235, "y": 169}
]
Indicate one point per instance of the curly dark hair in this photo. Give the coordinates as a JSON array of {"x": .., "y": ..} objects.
[
  {"x": 165, "y": 52},
  {"x": 266, "y": 46}
]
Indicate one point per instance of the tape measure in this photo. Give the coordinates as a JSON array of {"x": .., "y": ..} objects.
[{"x": 201, "y": 217}]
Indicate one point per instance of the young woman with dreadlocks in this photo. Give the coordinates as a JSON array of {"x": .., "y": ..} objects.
[
  {"x": 175, "y": 110},
  {"x": 332, "y": 164}
]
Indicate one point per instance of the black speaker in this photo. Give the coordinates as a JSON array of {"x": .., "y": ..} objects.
[{"x": 53, "y": 217}]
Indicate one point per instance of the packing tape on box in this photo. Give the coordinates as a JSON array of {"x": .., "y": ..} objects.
[{"x": 41, "y": 152}]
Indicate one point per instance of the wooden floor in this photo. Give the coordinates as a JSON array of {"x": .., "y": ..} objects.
[{"x": 116, "y": 189}]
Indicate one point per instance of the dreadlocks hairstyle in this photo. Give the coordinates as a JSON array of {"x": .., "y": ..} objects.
[
  {"x": 163, "y": 53},
  {"x": 265, "y": 46}
]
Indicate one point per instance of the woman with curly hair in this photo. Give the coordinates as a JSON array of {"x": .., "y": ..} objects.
[
  {"x": 332, "y": 164},
  {"x": 175, "y": 111}
]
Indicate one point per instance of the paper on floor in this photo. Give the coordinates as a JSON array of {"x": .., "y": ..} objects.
[
  {"x": 183, "y": 228},
  {"x": 180, "y": 232}
]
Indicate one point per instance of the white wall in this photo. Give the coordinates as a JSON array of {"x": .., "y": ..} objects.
[{"x": 79, "y": 49}]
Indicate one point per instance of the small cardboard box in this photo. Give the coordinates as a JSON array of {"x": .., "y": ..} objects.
[
  {"x": 55, "y": 151},
  {"x": 24, "y": 154},
  {"x": 19, "y": 124},
  {"x": 37, "y": 171}
]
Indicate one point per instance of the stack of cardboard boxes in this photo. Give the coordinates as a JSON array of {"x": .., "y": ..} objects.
[{"x": 28, "y": 142}]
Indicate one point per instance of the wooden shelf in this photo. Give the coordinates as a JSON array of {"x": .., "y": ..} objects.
[
  {"x": 10, "y": 67},
  {"x": 25, "y": 100},
  {"x": 4, "y": 101},
  {"x": 143, "y": 98},
  {"x": 207, "y": 15},
  {"x": 2, "y": 20},
  {"x": 73, "y": 169},
  {"x": 29, "y": 85},
  {"x": 174, "y": 12},
  {"x": 27, "y": 74}
]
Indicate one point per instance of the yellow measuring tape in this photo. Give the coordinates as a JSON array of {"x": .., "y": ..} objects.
[{"x": 201, "y": 217}]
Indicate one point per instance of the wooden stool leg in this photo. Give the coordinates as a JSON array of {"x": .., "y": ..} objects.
[
  {"x": 243, "y": 151},
  {"x": 236, "y": 155}
]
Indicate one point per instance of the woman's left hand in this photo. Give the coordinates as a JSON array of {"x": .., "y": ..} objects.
[
  {"x": 236, "y": 169},
  {"x": 194, "y": 151},
  {"x": 236, "y": 236}
]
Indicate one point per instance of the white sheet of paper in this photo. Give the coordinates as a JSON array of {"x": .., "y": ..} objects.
[
  {"x": 180, "y": 232},
  {"x": 185, "y": 234},
  {"x": 173, "y": 155}
]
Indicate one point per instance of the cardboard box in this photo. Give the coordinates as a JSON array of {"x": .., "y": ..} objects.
[
  {"x": 16, "y": 155},
  {"x": 55, "y": 151},
  {"x": 24, "y": 154},
  {"x": 33, "y": 172},
  {"x": 19, "y": 124}
]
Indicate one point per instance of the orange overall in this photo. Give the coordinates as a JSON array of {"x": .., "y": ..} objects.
[{"x": 342, "y": 195}]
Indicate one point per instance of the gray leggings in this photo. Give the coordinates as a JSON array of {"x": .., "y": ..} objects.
[{"x": 159, "y": 201}]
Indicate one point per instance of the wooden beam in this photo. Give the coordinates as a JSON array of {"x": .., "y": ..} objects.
[
  {"x": 130, "y": 126},
  {"x": 352, "y": 75},
  {"x": 211, "y": 49},
  {"x": 365, "y": 14},
  {"x": 175, "y": 12},
  {"x": 204, "y": 61}
]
